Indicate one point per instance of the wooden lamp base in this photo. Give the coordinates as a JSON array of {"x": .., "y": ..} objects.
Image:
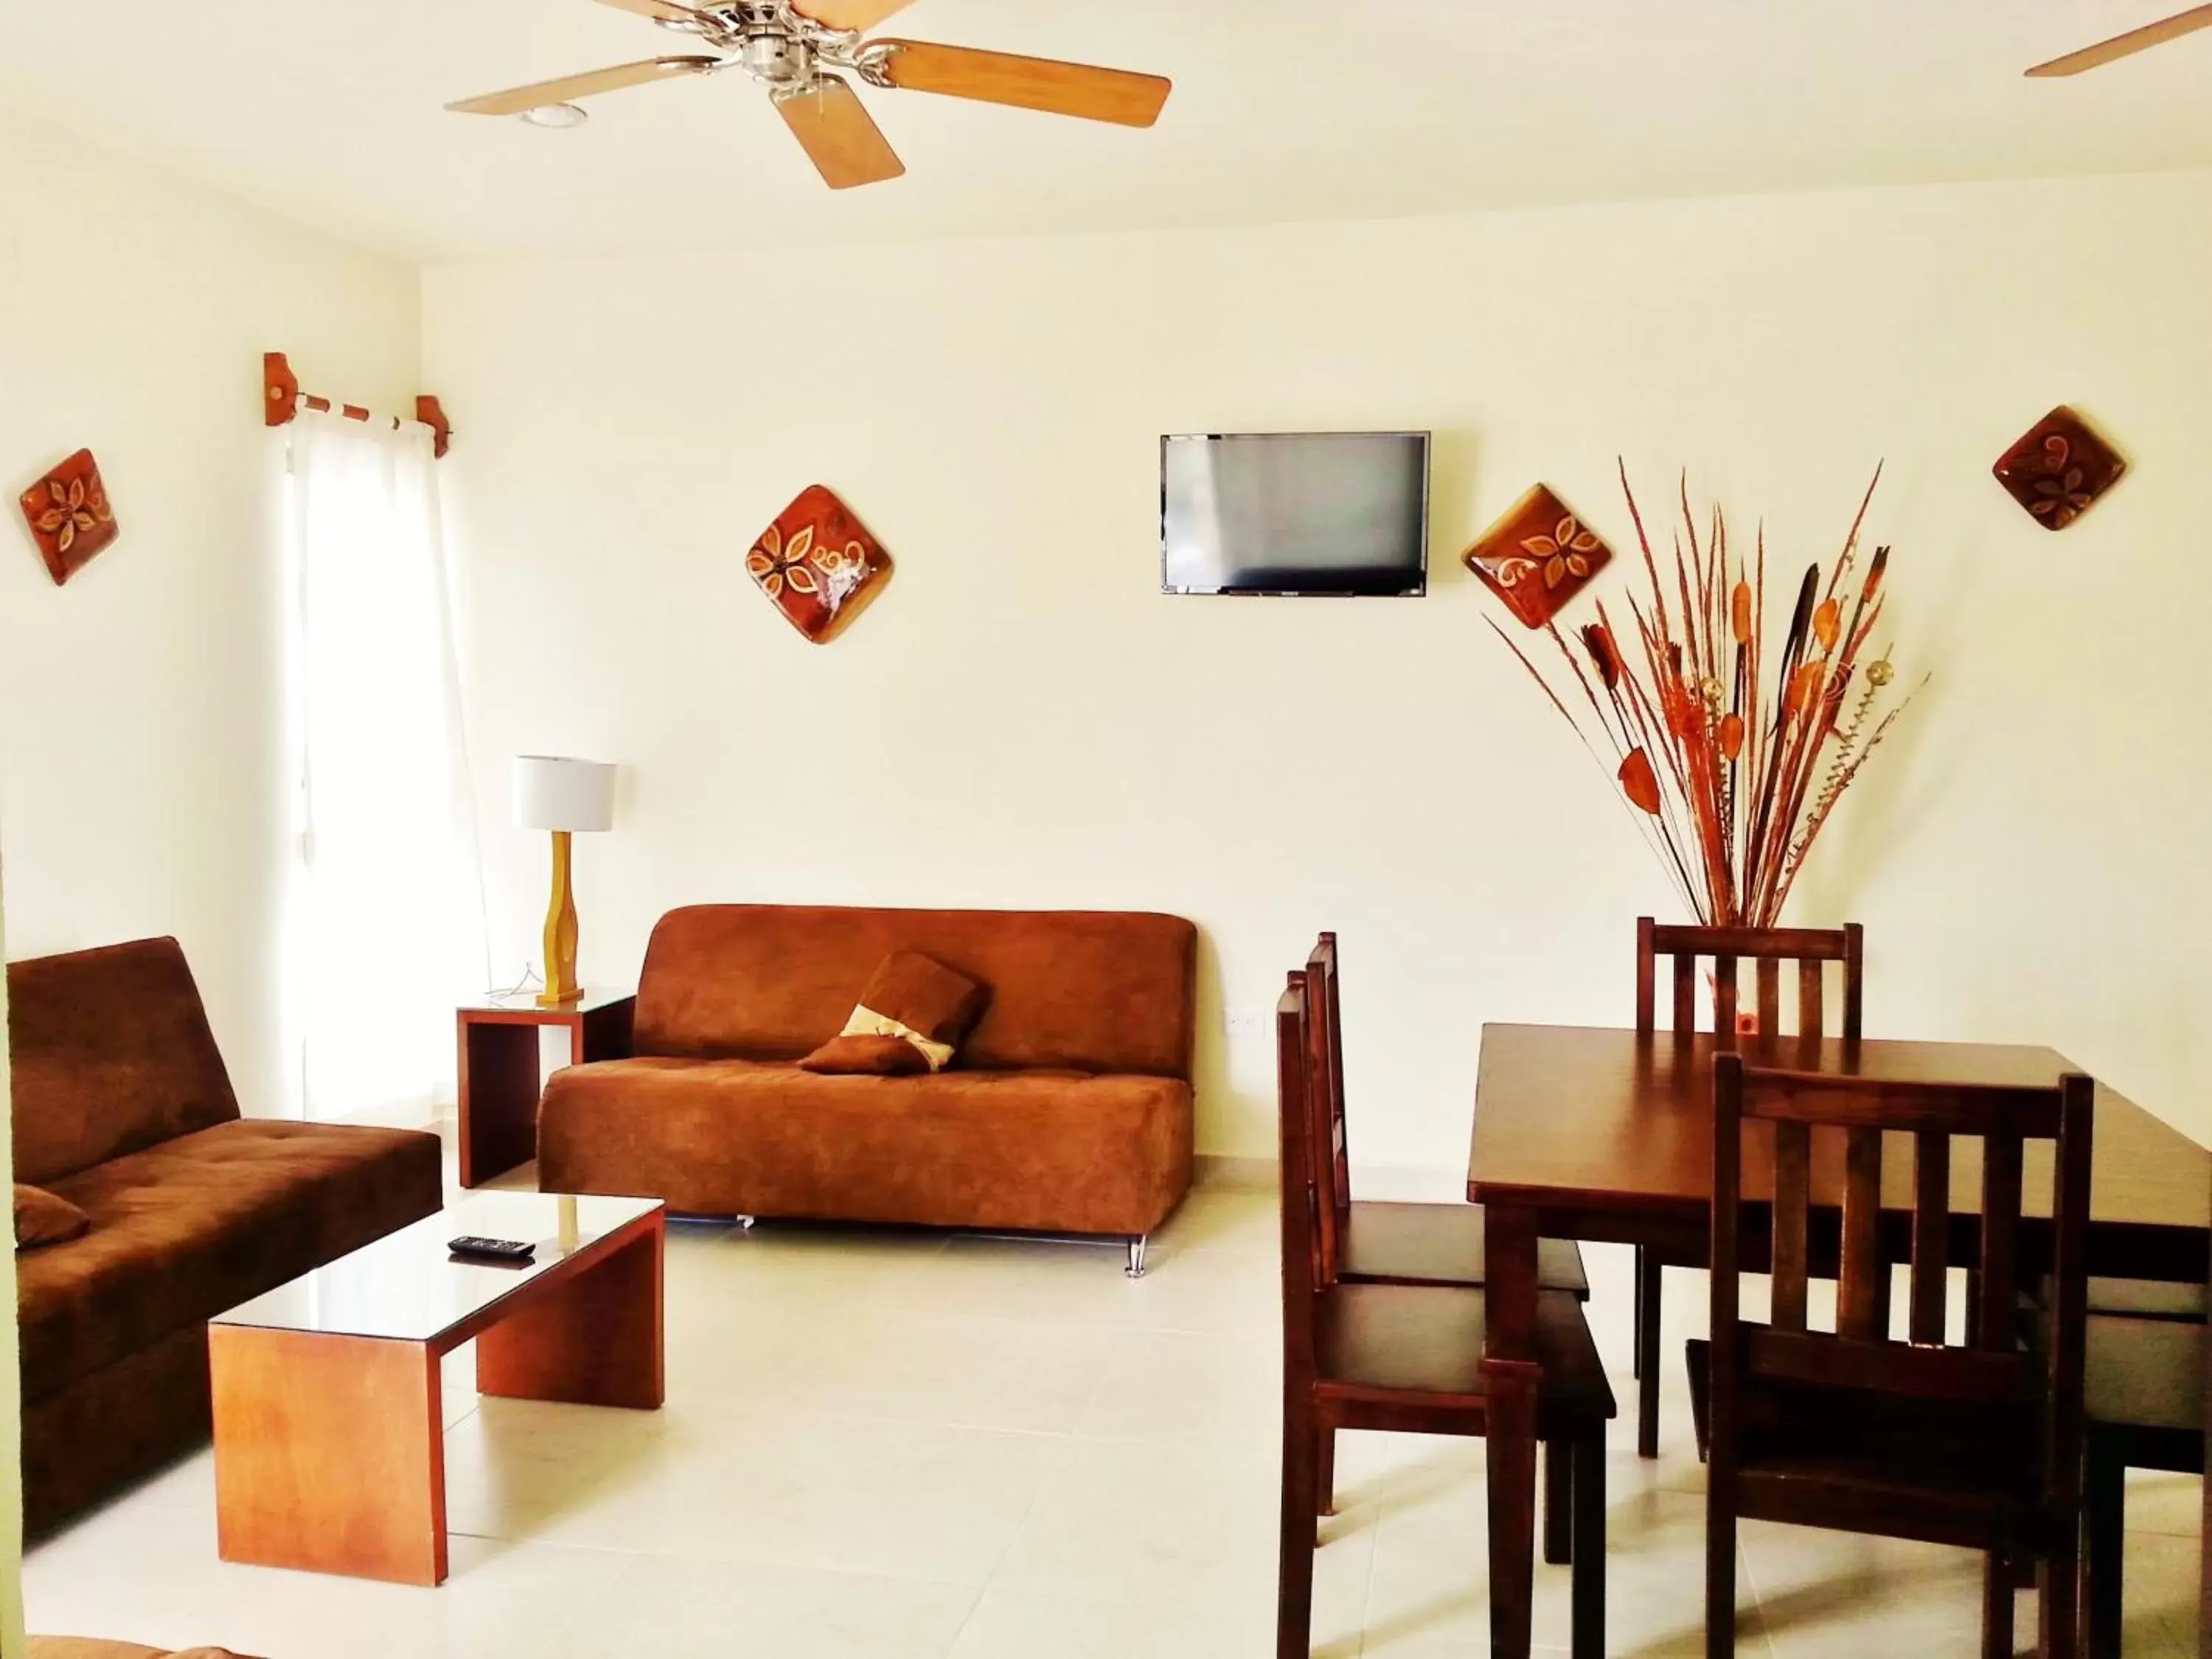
[{"x": 561, "y": 987}]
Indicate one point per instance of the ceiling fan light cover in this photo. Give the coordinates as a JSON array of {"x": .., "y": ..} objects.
[{"x": 557, "y": 117}]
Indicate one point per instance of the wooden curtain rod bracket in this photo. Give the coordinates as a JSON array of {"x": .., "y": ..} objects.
[
  {"x": 428, "y": 413},
  {"x": 282, "y": 389},
  {"x": 282, "y": 398}
]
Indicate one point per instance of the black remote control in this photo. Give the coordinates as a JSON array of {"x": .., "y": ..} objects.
[{"x": 512, "y": 1251}]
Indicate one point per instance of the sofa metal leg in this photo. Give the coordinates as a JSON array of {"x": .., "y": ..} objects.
[
  {"x": 744, "y": 1223},
  {"x": 1136, "y": 1269}
]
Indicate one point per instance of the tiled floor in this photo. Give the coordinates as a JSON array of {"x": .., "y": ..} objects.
[{"x": 908, "y": 1446}]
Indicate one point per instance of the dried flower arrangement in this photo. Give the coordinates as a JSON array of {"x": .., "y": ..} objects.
[{"x": 1732, "y": 776}]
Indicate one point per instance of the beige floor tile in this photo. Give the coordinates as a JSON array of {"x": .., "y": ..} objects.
[
  {"x": 503, "y": 1601},
  {"x": 656, "y": 1608},
  {"x": 1429, "y": 1584},
  {"x": 1148, "y": 1523},
  {"x": 1212, "y": 1267},
  {"x": 1206, "y": 1388},
  {"x": 2160, "y": 1586},
  {"x": 924, "y": 1501},
  {"x": 1834, "y": 1593},
  {"x": 1045, "y": 1281},
  {"x": 137, "y": 1569},
  {"x": 2164, "y": 1502},
  {"x": 790, "y": 1265},
  {"x": 1021, "y": 1625},
  {"x": 521, "y": 1469},
  {"x": 981, "y": 1372}
]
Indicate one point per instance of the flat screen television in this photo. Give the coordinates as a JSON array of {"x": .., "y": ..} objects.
[{"x": 1295, "y": 512}]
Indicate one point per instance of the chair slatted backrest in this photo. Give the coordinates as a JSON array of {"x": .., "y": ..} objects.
[
  {"x": 1307, "y": 1268},
  {"x": 1325, "y": 1059},
  {"x": 1991, "y": 1367},
  {"x": 1766, "y": 949}
]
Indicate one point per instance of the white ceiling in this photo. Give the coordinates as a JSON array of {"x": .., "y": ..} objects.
[{"x": 1283, "y": 110}]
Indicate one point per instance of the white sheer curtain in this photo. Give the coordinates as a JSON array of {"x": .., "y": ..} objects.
[{"x": 385, "y": 919}]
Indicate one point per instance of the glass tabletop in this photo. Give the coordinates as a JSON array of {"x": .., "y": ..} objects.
[
  {"x": 406, "y": 1286},
  {"x": 526, "y": 1002}
]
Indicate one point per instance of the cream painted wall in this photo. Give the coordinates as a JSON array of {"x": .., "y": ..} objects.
[
  {"x": 1023, "y": 720},
  {"x": 141, "y": 767}
]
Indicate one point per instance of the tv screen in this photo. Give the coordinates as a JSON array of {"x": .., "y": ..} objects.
[{"x": 1295, "y": 512}]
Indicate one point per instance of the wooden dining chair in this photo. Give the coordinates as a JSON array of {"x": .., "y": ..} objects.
[
  {"x": 1978, "y": 1446},
  {"x": 1404, "y": 1358},
  {"x": 1766, "y": 949},
  {"x": 1387, "y": 1241}
]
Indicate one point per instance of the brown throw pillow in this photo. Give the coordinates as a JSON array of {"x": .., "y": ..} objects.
[
  {"x": 867, "y": 1056},
  {"x": 919, "y": 1001},
  {"x": 41, "y": 1218}
]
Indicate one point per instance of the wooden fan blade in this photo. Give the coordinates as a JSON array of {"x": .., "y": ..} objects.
[
  {"x": 1040, "y": 84},
  {"x": 661, "y": 11},
  {"x": 2126, "y": 45},
  {"x": 516, "y": 99},
  {"x": 837, "y": 132},
  {"x": 848, "y": 13}
]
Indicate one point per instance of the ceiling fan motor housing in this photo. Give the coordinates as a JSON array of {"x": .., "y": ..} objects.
[{"x": 777, "y": 58}]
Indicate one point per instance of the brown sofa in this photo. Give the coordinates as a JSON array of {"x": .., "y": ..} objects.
[
  {"x": 122, "y": 1106},
  {"x": 1067, "y": 1109}
]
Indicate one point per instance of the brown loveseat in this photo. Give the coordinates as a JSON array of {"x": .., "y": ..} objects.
[
  {"x": 122, "y": 1106},
  {"x": 1067, "y": 1109}
]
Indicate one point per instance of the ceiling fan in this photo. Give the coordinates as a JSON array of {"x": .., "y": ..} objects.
[
  {"x": 2126, "y": 45},
  {"x": 791, "y": 47}
]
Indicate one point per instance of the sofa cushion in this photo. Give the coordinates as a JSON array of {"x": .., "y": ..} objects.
[
  {"x": 917, "y": 999},
  {"x": 42, "y": 1217},
  {"x": 858, "y": 1053},
  {"x": 110, "y": 1052},
  {"x": 185, "y": 1229},
  {"x": 1108, "y": 992},
  {"x": 1053, "y": 1150}
]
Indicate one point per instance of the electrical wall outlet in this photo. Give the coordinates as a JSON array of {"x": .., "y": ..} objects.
[{"x": 1246, "y": 1022}]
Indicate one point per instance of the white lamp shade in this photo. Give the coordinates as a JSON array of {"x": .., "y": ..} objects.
[{"x": 552, "y": 792}]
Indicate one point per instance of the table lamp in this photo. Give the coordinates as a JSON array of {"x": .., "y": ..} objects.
[{"x": 554, "y": 793}]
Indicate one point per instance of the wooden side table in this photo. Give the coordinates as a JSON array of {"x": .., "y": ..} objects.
[{"x": 499, "y": 1070}]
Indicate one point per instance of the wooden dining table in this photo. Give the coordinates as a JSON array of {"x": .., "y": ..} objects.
[{"x": 1603, "y": 1135}]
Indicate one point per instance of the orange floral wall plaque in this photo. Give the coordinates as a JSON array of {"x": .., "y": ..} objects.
[
  {"x": 69, "y": 516},
  {"x": 1538, "y": 557},
  {"x": 818, "y": 565},
  {"x": 2058, "y": 468}
]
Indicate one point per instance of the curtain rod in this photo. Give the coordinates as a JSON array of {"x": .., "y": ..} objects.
[{"x": 282, "y": 399}]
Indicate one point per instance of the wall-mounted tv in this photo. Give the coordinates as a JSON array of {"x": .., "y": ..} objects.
[{"x": 1295, "y": 512}]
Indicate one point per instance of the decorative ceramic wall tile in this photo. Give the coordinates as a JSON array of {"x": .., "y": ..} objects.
[
  {"x": 818, "y": 563},
  {"x": 2058, "y": 468},
  {"x": 1538, "y": 557},
  {"x": 69, "y": 516}
]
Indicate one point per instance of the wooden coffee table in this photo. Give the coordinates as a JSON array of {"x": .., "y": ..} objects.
[{"x": 330, "y": 1450}]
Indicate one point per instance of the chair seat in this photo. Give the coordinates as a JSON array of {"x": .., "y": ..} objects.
[
  {"x": 1392, "y": 1243},
  {"x": 1389, "y": 1341}
]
